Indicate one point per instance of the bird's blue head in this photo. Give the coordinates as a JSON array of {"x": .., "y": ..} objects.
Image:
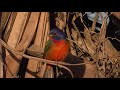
[{"x": 57, "y": 34}]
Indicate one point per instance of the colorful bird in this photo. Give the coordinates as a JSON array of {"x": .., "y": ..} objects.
[{"x": 57, "y": 47}]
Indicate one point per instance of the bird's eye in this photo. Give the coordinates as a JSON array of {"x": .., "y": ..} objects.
[{"x": 54, "y": 34}]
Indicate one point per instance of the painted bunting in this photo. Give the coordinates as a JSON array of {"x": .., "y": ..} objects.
[{"x": 57, "y": 47}]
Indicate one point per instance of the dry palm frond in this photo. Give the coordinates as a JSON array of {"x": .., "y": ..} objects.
[{"x": 25, "y": 35}]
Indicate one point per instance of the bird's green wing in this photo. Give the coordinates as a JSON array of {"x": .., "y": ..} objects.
[{"x": 48, "y": 45}]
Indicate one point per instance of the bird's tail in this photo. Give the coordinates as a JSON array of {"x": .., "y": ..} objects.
[
  {"x": 49, "y": 71},
  {"x": 48, "y": 67}
]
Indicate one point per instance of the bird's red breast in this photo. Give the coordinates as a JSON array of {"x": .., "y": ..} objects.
[{"x": 58, "y": 51}]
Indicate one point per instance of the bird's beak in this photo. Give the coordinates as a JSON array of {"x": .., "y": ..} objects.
[{"x": 50, "y": 35}]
